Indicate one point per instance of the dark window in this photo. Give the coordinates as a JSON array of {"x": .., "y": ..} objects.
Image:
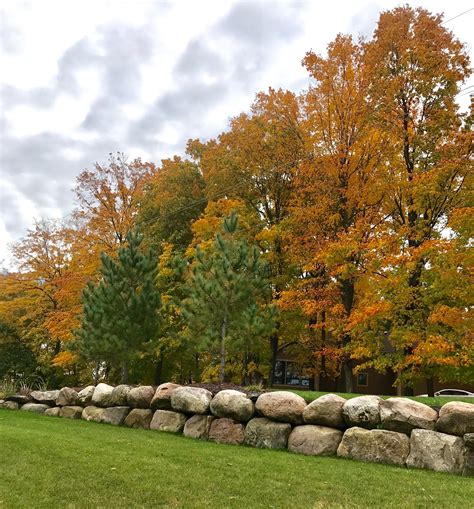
[
  {"x": 362, "y": 379},
  {"x": 288, "y": 373}
]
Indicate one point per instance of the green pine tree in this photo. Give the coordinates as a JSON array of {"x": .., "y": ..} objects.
[
  {"x": 227, "y": 294},
  {"x": 121, "y": 313}
]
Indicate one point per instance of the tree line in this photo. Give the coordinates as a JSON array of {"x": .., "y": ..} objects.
[{"x": 335, "y": 223}]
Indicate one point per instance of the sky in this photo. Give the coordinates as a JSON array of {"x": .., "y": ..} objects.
[{"x": 80, "y": 79}]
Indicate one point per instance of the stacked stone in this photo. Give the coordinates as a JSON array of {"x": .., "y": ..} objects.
[{"x": 395, "y": 431}]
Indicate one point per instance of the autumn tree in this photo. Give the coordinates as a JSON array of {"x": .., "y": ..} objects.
[
  {"x": 226, "y": 296},
  {"x": 417, "y": 67},
  {"x": 121, "y": 312},
  {"x": 173, "y": 198},
  {"x": 254, "y": 161},
  {"x": 336, "y": 202}
]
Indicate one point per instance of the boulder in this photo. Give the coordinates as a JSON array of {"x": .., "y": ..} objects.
[
  {"x": 92, "y": 413},
  {"x": 468, "y": 470},
  {"x": 166, "y": 420},
  {"x": 53, "y": 412},
  {"x": 314, "y": 440},
  {"x": 71, "y": 412},
  {"x": 326, "y": 411},
  {"x": 39, "y": 408},
  {"x": 140, "y": 397},
  {"x": 162, "y": 398},
  {"x": 232, "y": 404},
  {"x": 102, "y": 396},
  {"x": 111, "y": 415},
  {"x": 378, "y": 446},
  {"x": 21, "y": 399},
  {"x": 436, "y": 451},
  {"x": 114, "y": 415},
  {"x": 363, "y": 411},
  {"x": 45, "y": 397},
  {"x": 227, "y": 431},
  {"x": 84, "y": 397},
  {"x": 281, "y": 406},
  {"x": 198, "y": 426},
  {"x": 469, "y": 440},
  {"x": 10, "y": 405},
  {"x": 119, "y": 395},
  {"x": 456, "y": 418},
  {"x": 191, "y": 400},
  {"x": 66, "y": 397},
  {"x": 403, "y": 415},
  {"x": 139, "y": 418},
  {"x": 266, "y": 434}
]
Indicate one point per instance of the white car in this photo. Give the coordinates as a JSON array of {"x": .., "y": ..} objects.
[{"x": 452, "y": 392}]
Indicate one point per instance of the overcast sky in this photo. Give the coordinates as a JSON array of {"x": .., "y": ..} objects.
[{"x": 80, "y": 79}]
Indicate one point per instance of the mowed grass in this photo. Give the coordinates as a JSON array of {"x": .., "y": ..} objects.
[
  {"x": 51, "y": 462},
  {"x": 434, "y": 402}
]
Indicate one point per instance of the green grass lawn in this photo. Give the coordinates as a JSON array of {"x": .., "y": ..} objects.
[
  {"x": 436, "y": 402},
  {"x": 51, "y": 462}
]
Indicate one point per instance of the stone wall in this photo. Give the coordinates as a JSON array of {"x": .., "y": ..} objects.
[{"x": 396, "y": 431}]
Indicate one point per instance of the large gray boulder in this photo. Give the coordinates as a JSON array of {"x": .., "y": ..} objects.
[
  {"x": 314, "y": 440},
  {"x": 84, "y": 397},
  {"x": 232, "y": 404},
  {"x": 468, "y": 469},
  {"x": 266, "y": 434},
  {"x": 140, "y": 397},
  {"x": 66, "y": 397},
  {"x": 39, "y": 408},
  {"x": 378, "y": 446},
  {"x": 111, "y": 415},
  {"x": 92, "y": 413},
  {"x": 119, "y": 395},
  {"x": 363, "y": 411},
  {"x": 436, "y": 451},
  {"x": 45, "y": 397},
  {"x": 191, "y": 400},
  {"x": 456, "y": 418},
  {"x": 227, "y": 431},
  {"x": 166, "y": 420},
  {"x": 53, "y": 411},
  {"x": 10, "y": 405},
  {"x": 198, "y": 426},
  {"x": 102, "y": 396},
  {"x": 326, "y": 411},
  {"x": 162, "y": 398},
  {"x": 71, "y": 412},
  {"x": 281, "y": 406},
  {"x": 404, "y": 415},
  {"x": 139, "y": 418}
]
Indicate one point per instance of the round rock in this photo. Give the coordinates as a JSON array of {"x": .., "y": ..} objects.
[
  {"x": 119, "y": 395},
  {"x": 314, "y": 440},
  {"x": 71, "y": 412},
  {"x": 166, "y": 420},
  {"x": 66, "y": 397},
  {"x": 140, "y": 397},
  {"x": 281, "y": 406},
  {"x": 363, "y": 411},
  {"x": 404, "y": 415},
  {"x": 266, "y": 434},
  {"x": 45, "y": 397},
  {"x": 198, "y": 426},
  {"x": 232, "y": 404},
  {"x": 226, "y": 431},
  {"x": 191, "y": 400},
  {"x": 84, "y": 397},
  {"x": 139, "y": 418},
  {"x": 102, "y": 395},
  {"x": 456, "y": 418},
  {"x": 326, "y": 411}
]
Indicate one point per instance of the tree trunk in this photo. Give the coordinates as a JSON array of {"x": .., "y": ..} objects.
[
  {"x": 274, "y": 354},
  {"x": 124, "y": 378},
  {"x": 347, "y": 371},
  {"x": 223, "y": 334},
  {"x": 430, "y": 386},
  {"x": 158, "y": 370}
]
